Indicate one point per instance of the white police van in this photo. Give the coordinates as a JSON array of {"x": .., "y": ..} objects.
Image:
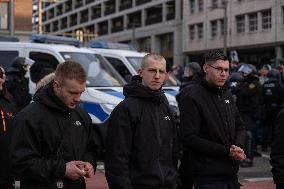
[
  {"x": 127, "y": 61},
  {"x": 104, "y": 84}
]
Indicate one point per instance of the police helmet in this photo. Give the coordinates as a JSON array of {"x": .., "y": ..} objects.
[
  {"x": 19, "y": 64},
  {"x": 236, "y": 77},
  {"x": 194, "y": 67}
]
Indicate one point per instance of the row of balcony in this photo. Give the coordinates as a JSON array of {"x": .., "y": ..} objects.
[{"x": 68, "y": 6}]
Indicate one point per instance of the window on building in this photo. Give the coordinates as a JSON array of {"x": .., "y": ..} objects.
[
  {"x": 191, "y": 6},
  {"x": 214, "y": 28},
  {"x": 214, "y": 3},
  {"x": 222, "y": 31},
  {"x": 200, "y": 5},
  {"x": 252, "y": 22},
  {"x": 200, "y": 30},
  {"x": 240, "y": 21},
  {"x": 283, "y": 15},
  {"x": 191, "y": 32},
  {"x": 266, "y": 19},
  {"x": 4, "y": 15}
]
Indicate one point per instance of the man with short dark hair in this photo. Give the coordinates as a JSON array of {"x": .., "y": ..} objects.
[
  {"x": 142, "y": 137},
  {"x": 53, "y": 146},
  {"x": 211, "y": 128}
]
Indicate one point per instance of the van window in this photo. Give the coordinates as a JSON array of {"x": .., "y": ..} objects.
[
  {"x": 120, "y": 68},
  {"x": 135, "y": 62},
  {"x": 44, "y": 64},
  {"x": 98, "y": 75},
  {"x": 7, "y": 57}
]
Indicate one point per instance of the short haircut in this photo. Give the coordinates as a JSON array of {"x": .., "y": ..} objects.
[
  {"x": 70, "y": 70},
  {"x": 214, "y": 55},
  {"x": 154, "y": 56}
]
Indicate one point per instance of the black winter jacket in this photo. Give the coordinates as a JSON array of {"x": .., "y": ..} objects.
[
  {"x": 141, "y": 141},
  {"x": 47, "y": 136},
  {"x": 210, "y": 124},
  {"x": 7, "y": 111},
  {"x": 277, "y": 150},
  {"x": 249, "y": 96}
]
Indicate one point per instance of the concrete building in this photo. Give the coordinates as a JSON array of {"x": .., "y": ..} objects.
[
  {"x": 150, "y": 25},
  {"x": 255, "y": 28},
  {"x": 18, "y": 22}
]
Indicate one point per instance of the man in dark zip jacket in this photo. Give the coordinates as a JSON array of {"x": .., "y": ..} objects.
[
  {"x": 53, "y": 146},
  {"x": 211, "y": 128},
  {"x": 277, "y": 151},
  {"x": 142, "y": 138},
  {"x": 7, "y": 111}
]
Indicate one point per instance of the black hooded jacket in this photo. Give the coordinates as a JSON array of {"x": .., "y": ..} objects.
[
  {"x": 277, "y": 150},
  {"x": 47, "y": 136},
  {"x": 141, "y": 141},
  {"x": 210, "y": 124},
  {"x": 7, "y": 111}
]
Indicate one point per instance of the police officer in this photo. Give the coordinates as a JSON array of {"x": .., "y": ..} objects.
[
  {"x": 17, "y": 83},
  {"x": 191, "y": 71},
  {"x": 7, "y": 110},
  {"x": 248, "y": 100},
  {"x": 272, "y": 99}
]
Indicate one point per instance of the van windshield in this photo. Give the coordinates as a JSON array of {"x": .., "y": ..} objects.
[
  {"x": 136, "y": 62},
  {"x": 99, "y": 72}
]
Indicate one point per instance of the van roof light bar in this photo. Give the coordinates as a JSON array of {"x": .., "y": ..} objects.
[
  {"x": 10, "y": 39},
  {"x": 50, "y": 39},
  {"x": 109, "y": 45}
]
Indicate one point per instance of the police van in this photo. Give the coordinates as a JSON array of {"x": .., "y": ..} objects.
[
  {"x": 103, "y": 82},
  {"x": 127, "y": 61}
]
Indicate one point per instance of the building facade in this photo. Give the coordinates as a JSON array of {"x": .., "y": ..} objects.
[
  {"x": 16, "y": 18},
  {"x": 255, "y": 28},
  {"x": 151, "y": 26}
]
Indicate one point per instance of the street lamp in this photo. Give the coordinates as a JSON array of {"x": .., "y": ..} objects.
[{"x": 225, "y": 26}]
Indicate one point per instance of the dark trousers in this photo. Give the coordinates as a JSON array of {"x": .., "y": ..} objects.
[
  {"x": 280, "y": 186},
  {"x": 227, "y": 184}
]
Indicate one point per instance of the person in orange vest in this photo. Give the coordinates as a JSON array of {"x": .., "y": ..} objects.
[{"x": 7, "y": 110}]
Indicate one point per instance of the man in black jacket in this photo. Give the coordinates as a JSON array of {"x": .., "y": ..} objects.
[
  {"x": 211, "y": 128},
  {"x": 142, "y": 137},
  {"x": 53, "y": 146},
  {"x": 277, "y": 151}
]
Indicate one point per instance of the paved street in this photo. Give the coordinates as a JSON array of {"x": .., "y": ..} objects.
[{"x": 257, "y": 177}]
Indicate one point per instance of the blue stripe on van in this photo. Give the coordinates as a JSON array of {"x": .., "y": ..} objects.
[
  {"x": 96, "y": 110},
  {"x": 171, "y": 92},
  {"x": 113, "y": 93}
]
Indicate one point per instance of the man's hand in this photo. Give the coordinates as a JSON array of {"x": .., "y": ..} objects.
[
  {"x": 87, "y": 168},
  {"x": 73, "y": 171},
  {"x": 236, "y": 153}
]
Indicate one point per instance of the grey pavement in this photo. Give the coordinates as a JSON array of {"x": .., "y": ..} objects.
[{"x": 261, "y": 169}]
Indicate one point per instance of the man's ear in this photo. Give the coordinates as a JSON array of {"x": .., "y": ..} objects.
[
  {"x": 167, "y": 76},
  {"x": 56, "y": 85},
  {"x": 205, "y": 68},
  {"x": 140, "y": 72}
]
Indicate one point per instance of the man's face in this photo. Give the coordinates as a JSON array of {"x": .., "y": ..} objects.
[
  {"x": 2, "y": 78},
  {"x": 217, "y": 73},
  {"x": 69, "y": 92},
  {"x": 154, "y": 73}
]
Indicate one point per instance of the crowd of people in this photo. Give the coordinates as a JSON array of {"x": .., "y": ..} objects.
[{"x": 50, "y": 143}]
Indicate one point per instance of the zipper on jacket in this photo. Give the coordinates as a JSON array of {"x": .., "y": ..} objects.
[{"x": 3, "y": 121}]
